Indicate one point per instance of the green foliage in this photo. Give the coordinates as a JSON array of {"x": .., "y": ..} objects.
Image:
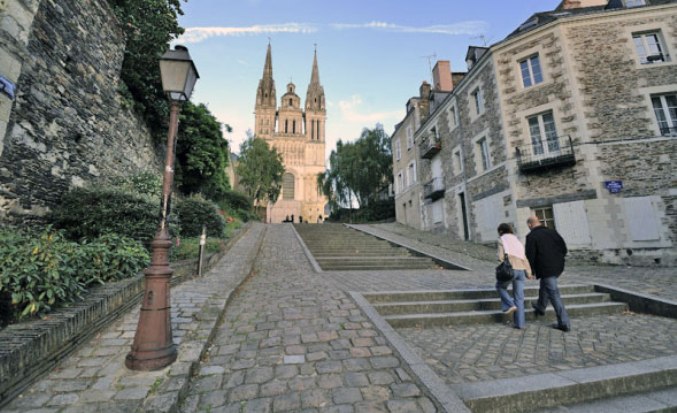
[
  {"x": 40, "y": 271},
  {"x": 237, "y": 204},
  {"x": 260, "y": 169},
  {"x": 358, "y": 170},
  {"x": 149, "y": 25},
  {"x": 195, "y": 212},
  {"x": 92, "y": 212},
  {"x": 201, "y": 154},
  {"x": 189, "y": 248},
  {"x": 144, "y": 183},
  {"x": 110, "y": 257}
]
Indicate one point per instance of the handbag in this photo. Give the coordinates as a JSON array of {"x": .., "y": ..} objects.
[{"x": 504, "y": 271}]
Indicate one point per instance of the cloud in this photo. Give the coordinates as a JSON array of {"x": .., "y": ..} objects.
[
  {"x": 473, "y": 27},
  {"x": 351, "y": 112},
  {"x": 199, "y": 34}
]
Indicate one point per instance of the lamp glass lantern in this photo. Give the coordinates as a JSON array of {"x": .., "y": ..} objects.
[{"x": 178, "y": 74}]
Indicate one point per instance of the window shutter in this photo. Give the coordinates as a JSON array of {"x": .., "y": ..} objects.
[
  {"x": 571, "y": 220},
  {"x": 641, "y": 219}
]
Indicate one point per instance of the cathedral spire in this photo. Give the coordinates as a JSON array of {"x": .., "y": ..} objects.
[
  {"x": 315, "y": 94},
  {"x": 265, "y": 95}
]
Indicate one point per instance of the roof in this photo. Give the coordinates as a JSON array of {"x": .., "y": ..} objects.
[{"x": 543, "y": 18}]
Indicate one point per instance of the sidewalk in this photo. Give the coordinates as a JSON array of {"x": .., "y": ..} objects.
[{"x": 95, "y": 379}]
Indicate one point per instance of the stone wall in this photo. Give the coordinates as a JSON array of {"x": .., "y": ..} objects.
[{"x": 68, "y": 125}]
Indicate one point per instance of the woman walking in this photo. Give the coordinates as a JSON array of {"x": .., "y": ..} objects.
[{"x": 509, "y": 244}]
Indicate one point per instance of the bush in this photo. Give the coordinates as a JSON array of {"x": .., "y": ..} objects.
[
  {"x": 238, "y": 205},
  {"x": 38, "y": 272},
  {"x": 189, "y": 248},
  {"x": 144, "y": 183},
  {"x": 194, "y": 212},
  {"x": 92, "y": 212}
]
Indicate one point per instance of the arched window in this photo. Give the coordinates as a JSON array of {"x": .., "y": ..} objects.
[
  {"x": 286, "y": 126},
  {"x": 288, "y": 186},
  {"x": 293, "y": 126}
]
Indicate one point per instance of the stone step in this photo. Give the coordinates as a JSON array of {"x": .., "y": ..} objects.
[
  {"x": 656, "y": 401},
  {"x": 639, "y": 386},
  {"x": 366, "y": 266},
  {"x": 477, "y": 317},
  {"x": 484, "y": 304},
  {"x": 468, "y": 294},
  {"x": 363, "y": 253}
]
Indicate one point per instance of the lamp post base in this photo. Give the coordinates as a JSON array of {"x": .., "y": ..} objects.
[{"x": 151, "y": 360}]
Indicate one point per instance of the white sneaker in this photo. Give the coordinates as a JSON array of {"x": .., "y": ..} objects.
[{"x": 510, "y": 310}]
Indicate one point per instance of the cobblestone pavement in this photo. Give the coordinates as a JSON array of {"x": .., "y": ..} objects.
[
  {"x": 494, "y": 351},
  {"x": 94, "y": 378},
  {"x": 292, "y": 342}
]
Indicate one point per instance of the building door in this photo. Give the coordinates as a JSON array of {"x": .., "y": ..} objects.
[{"x": 464, "y": 216}]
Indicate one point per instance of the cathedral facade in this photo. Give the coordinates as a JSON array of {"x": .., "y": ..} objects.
[{"x": 298, "y": 133}]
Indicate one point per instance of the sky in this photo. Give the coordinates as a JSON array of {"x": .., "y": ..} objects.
[{"x": 372, "y": 54}]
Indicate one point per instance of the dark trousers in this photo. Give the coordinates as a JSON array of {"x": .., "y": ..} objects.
[{"x": 549, "y": 291}]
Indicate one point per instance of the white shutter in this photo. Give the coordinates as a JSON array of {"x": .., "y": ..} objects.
[
  {"x": 437, "y": 211},
  {"x": 436, "y": 167},
  {"x": 641, "y": 219},
  {"x": 489, "y": 213},
  {"x": 571, "y": 221}
]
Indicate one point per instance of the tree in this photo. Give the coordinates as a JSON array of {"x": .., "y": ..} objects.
[
  {"x": 149, "y": 25},
  {"x": 360, "y": 169},
  {"x": 260, "y": 169},
  {"x": 201, "y": 154}
]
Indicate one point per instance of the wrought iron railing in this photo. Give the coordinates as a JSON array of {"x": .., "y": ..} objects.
[
  {"x": 429, "y": 146},
  {"x": 434, "y": 189},
  {"x": 550, "y": 153}
]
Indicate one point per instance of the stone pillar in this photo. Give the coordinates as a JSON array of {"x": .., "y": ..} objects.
[{"x": 16, "y": 19}]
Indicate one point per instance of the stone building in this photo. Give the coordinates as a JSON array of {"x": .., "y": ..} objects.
[
  {"x": 298, "y": 134},
  {"x": 572, "y": 117}
]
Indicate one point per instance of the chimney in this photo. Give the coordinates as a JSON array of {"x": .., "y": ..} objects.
[
  {"x": 442, "y": 77},
  {"x": 424, "y": 103},
  {"x": 577, "y": 4}
]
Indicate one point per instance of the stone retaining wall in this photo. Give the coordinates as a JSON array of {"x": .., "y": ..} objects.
[{"x": 67, "y": 125}]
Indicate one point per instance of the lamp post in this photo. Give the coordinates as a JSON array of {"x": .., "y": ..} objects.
[{"x": 153, "y": 347}]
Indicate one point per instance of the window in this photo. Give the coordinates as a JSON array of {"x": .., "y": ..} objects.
[
  {"x": 398, "y": 149},
  {"x": 400, "y": 182},
  {"x": 546, "y": 216},
  {"x": 457, "y": 162},
  {"x": 531, "y": 71},
  {"x": 434, "y": 134},
  {"x": 412, "y": 173},
  {"x": 634, "y": 3},
  {"x": 650, "y": 47},
  {"x": 483, "y": 149},
  {"x": 478, "y": 98},
  {"x": 410, "y": 137},
  {"x": 543, "y": 134},
  {"x": 453, "y": 118},
  {"x": 288, "y": 186},
  {"x": 665, "y": 108}
]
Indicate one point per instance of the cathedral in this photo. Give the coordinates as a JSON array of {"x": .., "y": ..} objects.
[{"x": 297, "y": 133}]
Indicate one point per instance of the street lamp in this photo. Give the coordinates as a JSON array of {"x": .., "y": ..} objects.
[{"x": 153, "y": 347}]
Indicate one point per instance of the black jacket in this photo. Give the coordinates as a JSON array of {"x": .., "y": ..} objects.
[{"x": 545, "y": 250}]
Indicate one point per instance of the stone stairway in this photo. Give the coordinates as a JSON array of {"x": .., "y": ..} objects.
[
  {"x": 422, "y": 309},
  {"x": 637, "y": 387},
  {"x": 338, "y": 248}
]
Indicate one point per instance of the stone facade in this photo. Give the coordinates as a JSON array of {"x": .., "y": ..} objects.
[
  {"x": 67, "y": 125},
  {"x": 298, "y": 134},
  {"x": 574, "y": 80}
]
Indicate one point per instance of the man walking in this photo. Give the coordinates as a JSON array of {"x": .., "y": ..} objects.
[{"x": 545, "y": 249}]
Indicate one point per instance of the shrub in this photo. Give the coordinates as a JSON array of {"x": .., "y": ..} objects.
[
  {"x": 91, "y": 212},
  {"x": 194, "y": 212},
  {"x": 38, "y": 272},
  {"x": 189, "y": 248},
  {"x": 110, "y": 257},
  {"x": 144, "y": 183}
]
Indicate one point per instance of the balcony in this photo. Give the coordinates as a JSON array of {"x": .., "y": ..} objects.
[
  {"x": 552, "y": 153},
  {"x": 429, "y": 147},
  {"x": 434, "y": 189}
]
